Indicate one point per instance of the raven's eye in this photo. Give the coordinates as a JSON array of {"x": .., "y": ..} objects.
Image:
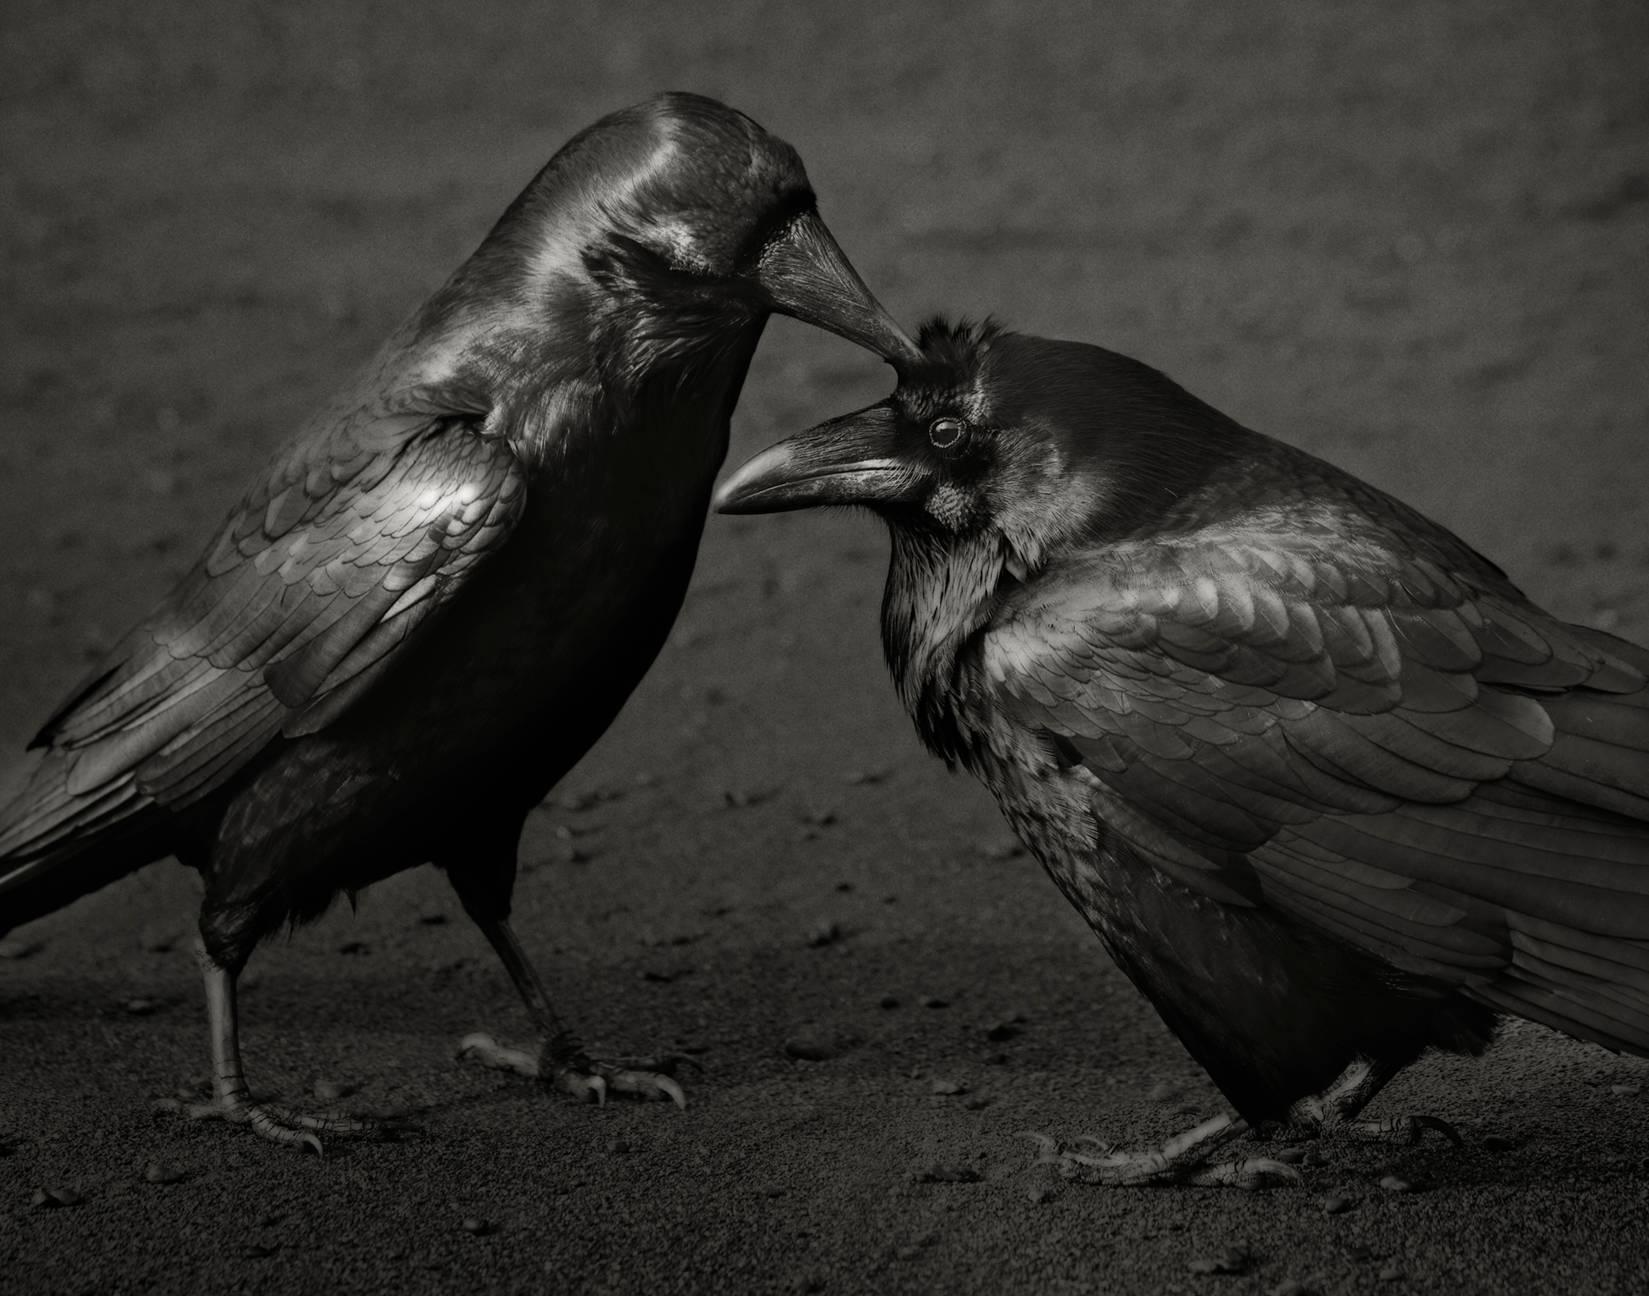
[{"x": 945, "y": 433}]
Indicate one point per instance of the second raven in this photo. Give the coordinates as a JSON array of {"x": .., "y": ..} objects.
[{"x": 1328, "y": 786}]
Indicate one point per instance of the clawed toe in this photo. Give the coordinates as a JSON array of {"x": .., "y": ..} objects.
[
  {"x": 585, "y": 1079},
  {"x": 1403, "y": 1129},
  {"x": 1184, "y": 1159},
  {"x": 281, "y": 1124}
]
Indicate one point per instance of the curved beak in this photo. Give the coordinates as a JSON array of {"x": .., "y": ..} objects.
[
  {"x": 804, "y": 274},
  {"x": 849, "y": 460}
]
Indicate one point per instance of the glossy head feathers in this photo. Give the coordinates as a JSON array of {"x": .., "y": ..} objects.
[
  {"x": 675, "y": 220},
  {"x": 993, "y": 433}
]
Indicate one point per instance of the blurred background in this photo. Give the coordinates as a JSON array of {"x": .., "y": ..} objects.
[{"x": 1411, "y": 237}]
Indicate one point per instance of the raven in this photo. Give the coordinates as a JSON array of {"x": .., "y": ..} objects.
[
  {"x": 1327, "y": 785},
  {"x": 440, "y": 592}
]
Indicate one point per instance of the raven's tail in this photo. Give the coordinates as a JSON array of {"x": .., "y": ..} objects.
[{"x": 57, "y": 845}]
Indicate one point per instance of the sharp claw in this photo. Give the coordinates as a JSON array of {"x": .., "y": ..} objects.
[
  {"x": 1441, "y": 1126},
  {"x": 476, "y": 1042},
  {"x": 668, "y": 1088}
]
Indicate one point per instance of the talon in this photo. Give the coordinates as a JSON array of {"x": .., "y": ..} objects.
[
  {"x": 1441, "y": 1126},
  {"x": 1047, "y": 1148}
]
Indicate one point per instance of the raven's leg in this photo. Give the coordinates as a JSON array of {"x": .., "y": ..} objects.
[
  {"x": 560, "y": 1060},
  {"x": 1336, "y": 1109},
  {"x": 232, "y": 1098},
  {"x": 1188, "y": 1158}
]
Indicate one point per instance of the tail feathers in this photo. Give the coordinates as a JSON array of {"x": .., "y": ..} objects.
[{"x": 57, "y": 845}]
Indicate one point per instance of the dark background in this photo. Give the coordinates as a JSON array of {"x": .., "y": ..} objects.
[{"x": 1408, "y": 236}]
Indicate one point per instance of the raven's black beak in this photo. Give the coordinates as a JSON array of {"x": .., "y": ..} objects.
[
  {"x": 804, "y": 274},
  {"x": 849, "y": 460}
]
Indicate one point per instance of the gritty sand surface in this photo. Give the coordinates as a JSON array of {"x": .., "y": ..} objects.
[{"x": 1410, "y": 237}]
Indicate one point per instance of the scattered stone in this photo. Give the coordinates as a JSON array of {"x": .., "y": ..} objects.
[
  {"x": 976, "y": 1102},
  {"x": 867, "y": 777},
  {"x": 940, "y": 1172},
  {"x": 1006, "y": 1029},
  {"x": 948, "y": 1088},
  {"x": 333, "y": 1090},
  {"x": 1395, "y": 1184},
  {"x": 1312, "y": 1286},
  {"x": 16, "y": 947},
  {"x": 54, "y": 1198},
  {"x": 818, "y": 818},
  {"x": 1391, "y": 1273},
  {"x": 1337, "y": 1204},
  {"x": 159, "y": 939},
  {"x": 160, "y": 1172},
  {"x": 1626, "y": 1090},
  {"x": 933, "y": 1001},
  {"x": 744, "y": 798},
  {"x": 476, "y": 1226},
  {"x": 773, "y": 1191},
  {"x": 1163, "y": 1092},
  {"x": 432, "y": 917},
  {"x": 888, "y": 1002},
  {"x": 813, "y": 1046},
  {"x": 908, "y": 1252},
  {"x": 1233, "y": 1260},
  {"x": 1001, "y": 848},
  {"x": 620, "y": 1147},
  {"x": 826, "y": 933},
  {"x": 1036, "y": 1194},
  {"x": 141, "y": 1007}
]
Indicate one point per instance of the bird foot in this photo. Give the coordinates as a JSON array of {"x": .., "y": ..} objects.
[
  {"x": 586, "y": 1079},
  {"x": 1406, "y": 1129},
  {"x": 276, "y": 1123},
  {"x": 1336, "y": 1111},
  {"x": 1186, "y": 1158}
]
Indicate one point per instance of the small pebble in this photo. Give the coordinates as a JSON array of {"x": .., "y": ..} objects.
[
  {"x": 826, "y": 933},
  {"x": 948, "y": 1088},
  {"x": 159, "y": 1172},
  {"x": 1391, "y": 1273},
  {"x": 888, "y": 1002},
  {"x": 1234, "y": 1260},
  {"x": 941, "y": 1173},
  {"x": 908, "y": 1252},
  {"x": 1005, "y": 1029},
  {"x": 259, "y": 1250},
  {"x": 1039, "y": 1193},
  {"x": 933, "y": 1001},
  {"x": 1295, "y": 1287},
  {"x": 332, "y": 1090},
  {"x": 140, "y": 1007},
  {"x": 976, "y": 1102},
  {"x": 159, "y": 940},
  {"x": 54, "y": 1198},
  {"x": 620, "y": 1147},
  {"x": 812, "y": 1047},
  {"x": 1337, "y": 1204},
  {"x": 432, "y": 917},
  {"x": 474, "y": 1225},
  {"x": 867, "y": 777},
  {"x": 1626, "y": 1090},
  {"x": 1395, "y": 1184}
]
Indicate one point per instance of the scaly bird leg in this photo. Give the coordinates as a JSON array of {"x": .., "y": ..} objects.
[
  {"x": 560, "y": 1060},
  {"x": 1188, "y": 1158},
  {"x": 232, "y": 1098},
  {"x": 1335, "y": 1110}
]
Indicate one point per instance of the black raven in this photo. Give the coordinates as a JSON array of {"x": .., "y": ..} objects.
[
  {"x": 1329, "y": 788},
  {"x": 438, "y": 595}
]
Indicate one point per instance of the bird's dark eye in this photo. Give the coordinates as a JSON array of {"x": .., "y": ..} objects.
[{"x": 945, "y": 433}]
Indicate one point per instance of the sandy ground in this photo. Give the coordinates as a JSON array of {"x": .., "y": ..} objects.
[{"x": 1408, "y": 236}]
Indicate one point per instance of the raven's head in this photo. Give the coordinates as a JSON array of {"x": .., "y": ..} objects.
[
  {"x": 674, "y": 220},
  {"x": 1001, "y": 438}
]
